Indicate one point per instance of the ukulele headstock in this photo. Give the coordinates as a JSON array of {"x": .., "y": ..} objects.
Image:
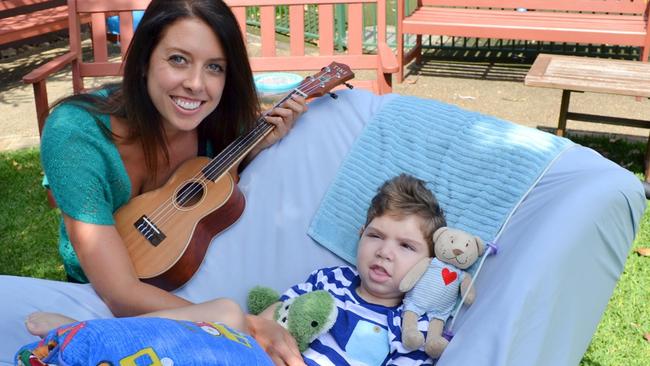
[{"x": 327, "y": 79}]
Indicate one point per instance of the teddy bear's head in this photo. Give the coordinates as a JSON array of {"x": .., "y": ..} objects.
[{"x": 457, "y": 247}]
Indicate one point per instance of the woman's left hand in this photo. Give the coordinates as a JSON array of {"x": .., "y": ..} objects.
[{"x": 283, "y": 118}]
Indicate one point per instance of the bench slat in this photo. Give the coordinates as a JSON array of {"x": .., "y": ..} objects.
[
  {"x": 326, "y": 29},
  {"x": 308, "y": 63},
  {"x": 13, "y": 4},
  {"x": 267, "y": 30},
  {"x": 506, "y": 19},
  {"x": 100, "y": 44},
  {"x": 297, "y": 30},
  {"x": 558, "y": 27},
  {"x": 612, "y": 6},
  {"x": 102, "y": 6},
  {"x": 126, "y": 30},
  {"x": 355, "y": 28},
  {"x": 29, "y": 25},
  {"x": 546, "y": 15}
]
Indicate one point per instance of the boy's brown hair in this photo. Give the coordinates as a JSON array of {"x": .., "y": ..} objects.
[{"x": 406, "y": 195}]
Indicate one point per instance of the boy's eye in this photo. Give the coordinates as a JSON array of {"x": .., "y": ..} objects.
[
  {"x": 407, "y": 246},
  {"x": 177, "y": 59}
]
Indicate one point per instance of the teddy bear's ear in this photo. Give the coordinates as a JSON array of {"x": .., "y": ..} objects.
[
  {"x": 439, "y": 232},
  {"x": 480, "y": 246}
]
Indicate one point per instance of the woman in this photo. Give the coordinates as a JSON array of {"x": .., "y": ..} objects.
[{"x": 187, "y": 90}]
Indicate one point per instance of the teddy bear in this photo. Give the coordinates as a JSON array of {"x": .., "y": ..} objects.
[
  {"x": 305, "y": 317},
  {"x": 432, "y": 286}
]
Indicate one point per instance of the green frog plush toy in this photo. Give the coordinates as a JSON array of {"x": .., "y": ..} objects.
[{"x": 305, "y": 317}]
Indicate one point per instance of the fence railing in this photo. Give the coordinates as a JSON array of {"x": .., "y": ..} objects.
[{"x": 340, "y": 21}]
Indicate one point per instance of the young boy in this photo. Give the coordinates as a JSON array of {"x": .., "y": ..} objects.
[{"x": 398, "y": 233}]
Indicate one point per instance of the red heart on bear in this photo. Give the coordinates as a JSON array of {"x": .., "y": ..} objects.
[{"x": 448, "y": 276}]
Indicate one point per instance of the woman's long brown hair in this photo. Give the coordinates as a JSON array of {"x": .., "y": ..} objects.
[{"x": 130, "y": 100}]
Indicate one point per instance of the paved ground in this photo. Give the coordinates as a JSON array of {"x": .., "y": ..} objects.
[{"x": 485, "y": 85}]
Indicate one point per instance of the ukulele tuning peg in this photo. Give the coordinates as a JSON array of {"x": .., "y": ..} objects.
[
  {"x": 334, "y": 96},
  {"x": 349, "y": 85}
]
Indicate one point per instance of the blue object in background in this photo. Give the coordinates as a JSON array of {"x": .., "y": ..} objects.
[
  {"x": 273, "y": 86},
  {"x": 113, "y": 22},
  {"x": 276, "y": 82}
]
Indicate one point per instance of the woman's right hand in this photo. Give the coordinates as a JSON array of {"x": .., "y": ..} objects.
[{"x": 275, "y": 340}]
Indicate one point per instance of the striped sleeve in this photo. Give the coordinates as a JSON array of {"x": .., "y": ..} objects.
[{"x": 333, "y": 279}]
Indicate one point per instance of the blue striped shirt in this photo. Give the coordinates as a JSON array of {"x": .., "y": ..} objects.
[{"x": 364, "y": 333}]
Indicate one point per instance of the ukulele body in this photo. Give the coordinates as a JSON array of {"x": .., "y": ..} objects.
[{"x": 168, "y": 230}]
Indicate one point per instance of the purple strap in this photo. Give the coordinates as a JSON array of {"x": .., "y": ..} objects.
[
  {"x": 448, "y": 334},
  {"x": 495, "y": 248}
]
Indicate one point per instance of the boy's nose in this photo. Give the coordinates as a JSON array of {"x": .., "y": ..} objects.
[{"x": 385, "y": 253}]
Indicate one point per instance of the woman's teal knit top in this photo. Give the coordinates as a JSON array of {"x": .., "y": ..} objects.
[{"x": 84, "y": 171}]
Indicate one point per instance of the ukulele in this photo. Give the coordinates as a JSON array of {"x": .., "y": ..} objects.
[{"x": 167, "y": 231}]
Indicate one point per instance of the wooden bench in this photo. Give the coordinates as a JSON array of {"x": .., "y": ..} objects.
[
  {"x": 612, "y": 22},
  {"x": 382, "y": 62},
  {"x": 596, "y": 75},
  {"x": 24, "y": 19}
]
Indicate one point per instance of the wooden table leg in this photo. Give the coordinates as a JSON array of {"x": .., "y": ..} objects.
[
  {"x": 646, "y": 163},
  {"x": 564, "y": 108},
  {"x": 646, "y": 171}
]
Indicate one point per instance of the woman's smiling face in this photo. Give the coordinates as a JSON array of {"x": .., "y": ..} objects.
[{"x": 186, "y": 74}]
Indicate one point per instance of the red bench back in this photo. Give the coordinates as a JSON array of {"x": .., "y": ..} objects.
[
  {"x": 298, "y": 58},
  {"x": 605, "y": 6},
  {"x": 99, "y": 11}
]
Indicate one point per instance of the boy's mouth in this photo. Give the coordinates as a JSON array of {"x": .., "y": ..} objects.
[{"x": 378, "y": 273}]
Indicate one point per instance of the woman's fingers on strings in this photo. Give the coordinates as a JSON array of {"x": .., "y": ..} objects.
[
  {"x": 281, "y": 125},
  {"x": 296, "y": 103},
  {"x": 284, "y": 116}
]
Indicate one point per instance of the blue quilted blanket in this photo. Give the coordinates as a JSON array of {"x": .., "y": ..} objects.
[{"x": 478, "y": 166}]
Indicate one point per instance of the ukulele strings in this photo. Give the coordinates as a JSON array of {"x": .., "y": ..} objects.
[
  {"x": 258, "y": 131},
  {"x": 261, "y": 128}
]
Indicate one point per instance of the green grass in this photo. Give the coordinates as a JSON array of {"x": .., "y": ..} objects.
[
  {"x": 28, "y": 226},
  {"x": 28, "y": 231}
]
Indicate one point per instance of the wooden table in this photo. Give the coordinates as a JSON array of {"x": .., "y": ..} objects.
[{"x": 587, "y": 74}]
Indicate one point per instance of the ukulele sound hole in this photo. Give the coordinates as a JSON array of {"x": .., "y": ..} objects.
[{"x": 189, "y": 195}]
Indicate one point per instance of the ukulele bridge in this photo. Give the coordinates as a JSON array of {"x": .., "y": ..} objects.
[{"x": 149, "y": 230}]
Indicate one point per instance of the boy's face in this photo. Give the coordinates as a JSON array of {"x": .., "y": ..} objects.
[{"x": 389, "y": 247}]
